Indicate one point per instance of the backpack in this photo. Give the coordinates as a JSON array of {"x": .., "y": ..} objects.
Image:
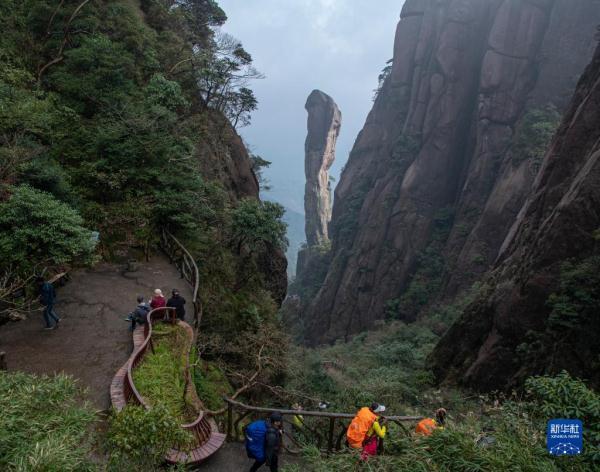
[
  {"x": 358, "y": 429},
  {"x": 426, "y": 427},
  {"x": 255, "y": 439}
]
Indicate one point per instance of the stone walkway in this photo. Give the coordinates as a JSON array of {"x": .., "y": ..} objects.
[{"x": 93, "y": 341}]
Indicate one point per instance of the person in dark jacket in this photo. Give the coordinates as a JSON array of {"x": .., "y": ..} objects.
[
  {"x": 178, "y": 302},
  {"x": 273, "y": 440},
  {"x": 138, "y": 316},
  {"x": 47, "y": 297}
]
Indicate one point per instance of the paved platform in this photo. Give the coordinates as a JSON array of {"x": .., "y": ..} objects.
[{"x": 93, "y": 341}]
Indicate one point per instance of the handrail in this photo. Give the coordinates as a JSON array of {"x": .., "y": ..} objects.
[
  {"x": 184, "y": 261},
  {"x": 334, "y": 441},
  {"x": 322, "y": 414}
]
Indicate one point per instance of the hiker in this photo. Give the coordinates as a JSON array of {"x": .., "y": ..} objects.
[
  {"x": 366, "y": 430},
  {"x": 139, "y": 315},
  {"x": 158, "y": 300},
  {"x": 298, "y": 419},
  {"x": 47, "y": 297},
  {"x": 263, "y": 441},
  {"x": 427, "y": 426},
  {"x": 178, "y": 302}
]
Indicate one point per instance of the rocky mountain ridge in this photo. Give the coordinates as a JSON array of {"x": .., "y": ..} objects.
[{"x": 447, "y": 155}]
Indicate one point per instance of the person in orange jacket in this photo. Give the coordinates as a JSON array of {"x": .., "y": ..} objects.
[
  {"x": 427, "y": 426},
  {"x": 367, "y": 430}
]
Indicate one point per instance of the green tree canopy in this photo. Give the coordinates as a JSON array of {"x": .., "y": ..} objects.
[{"x": 37, "y": 229}]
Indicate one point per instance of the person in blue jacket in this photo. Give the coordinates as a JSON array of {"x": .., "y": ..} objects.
[
  {"x": 269, "y": 435},
  {"x": 47, "y": 297}
]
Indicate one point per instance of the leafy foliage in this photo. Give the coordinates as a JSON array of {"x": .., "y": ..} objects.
[
  {"x": 138, "y": 439},
  {"x": 43, "y": 426},
  {"x": 565, "y": 397},
  {"x": 37, "y": 229},
  {"x": 255, "y": 223}
]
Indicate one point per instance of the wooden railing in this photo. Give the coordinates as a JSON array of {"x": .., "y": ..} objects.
[
  {"x": 187, "y": 267},
  {"x": 201, "y": 427},
  {"x": 329, "y": 438}
]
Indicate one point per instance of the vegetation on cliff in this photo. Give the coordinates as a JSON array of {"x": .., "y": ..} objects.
[{"x": 118, "y": 117}]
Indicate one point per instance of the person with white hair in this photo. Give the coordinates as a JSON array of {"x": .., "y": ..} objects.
[{"x": 158, "y": 299}]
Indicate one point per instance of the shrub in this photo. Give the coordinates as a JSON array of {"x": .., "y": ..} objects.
[
  {"x": 562, "y": 396},
  {"x": 138, "y": 439},
  {"x": 37, "y": 229}
]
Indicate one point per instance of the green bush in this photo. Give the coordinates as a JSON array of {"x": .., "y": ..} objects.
[
  {"x": 562, "y": 396},
  {"x": 43, "y": 424},
  {"x": 37, "y": 230},
  {"x": 138, "y": 439}
]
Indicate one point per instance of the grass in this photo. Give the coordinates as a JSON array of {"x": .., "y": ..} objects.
[
  {"x": 160, "y": 377},
  {"x": 43, "y": 426}
]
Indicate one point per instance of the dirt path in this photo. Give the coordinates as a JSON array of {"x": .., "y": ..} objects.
[
  {"x": 93, "y": 340},
  {"x": 232, "y": 458}
]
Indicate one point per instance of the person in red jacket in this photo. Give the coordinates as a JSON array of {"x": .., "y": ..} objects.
[{"x": 158, "y": 300}]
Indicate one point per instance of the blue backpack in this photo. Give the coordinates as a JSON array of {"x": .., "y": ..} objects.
[{"x": 255, "y": 439}]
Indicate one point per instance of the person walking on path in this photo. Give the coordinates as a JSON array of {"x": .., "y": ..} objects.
[
  {"x": 47, "y": 297},
  {"x": 138, "y": 316},
  {"x": 263, "y": 442},
  {"x": 158, "y": 300},
  {"x": 178, "y": 302},
  {"x": 367, "y": 430}
]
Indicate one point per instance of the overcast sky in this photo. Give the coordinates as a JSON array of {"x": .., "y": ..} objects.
[{"x": 337, "y": 46}]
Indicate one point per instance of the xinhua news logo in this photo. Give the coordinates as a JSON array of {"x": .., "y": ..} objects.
[{"x": 564, "y": 437}]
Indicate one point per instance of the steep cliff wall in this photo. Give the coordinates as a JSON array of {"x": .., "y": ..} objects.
[
  {"x": 515, "y": 328},
  {"x": 443, "y": 163}
]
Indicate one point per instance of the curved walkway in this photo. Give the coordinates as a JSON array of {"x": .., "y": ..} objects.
[{"x": 93, "y": 341}]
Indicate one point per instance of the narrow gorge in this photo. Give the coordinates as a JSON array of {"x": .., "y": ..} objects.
[{"x": 447, "y": 156}]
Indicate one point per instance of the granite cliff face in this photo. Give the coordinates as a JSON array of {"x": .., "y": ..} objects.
[
  {"x": 495, "y": 341},
  {"x": 323, "y": 124},
  {"x": 448, "y": 153}
]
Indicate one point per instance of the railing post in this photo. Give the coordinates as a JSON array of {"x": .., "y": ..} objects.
[
  {"x": 229, "y": 422},
  {"x": 330, "y": 435}
]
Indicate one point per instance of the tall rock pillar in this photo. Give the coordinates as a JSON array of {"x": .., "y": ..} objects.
[{"x": 323, "y": 124}]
